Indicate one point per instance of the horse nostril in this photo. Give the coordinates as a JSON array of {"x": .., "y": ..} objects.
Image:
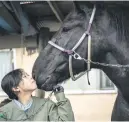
[{"x": 33, "y": 75}]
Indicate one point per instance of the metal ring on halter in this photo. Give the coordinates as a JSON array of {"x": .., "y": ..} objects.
[
  {"x": 77, "y": 56},
  {"x": 71, "y": 70}
]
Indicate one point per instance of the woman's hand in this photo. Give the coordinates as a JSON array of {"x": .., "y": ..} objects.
[{"x": 58, "y": 89}]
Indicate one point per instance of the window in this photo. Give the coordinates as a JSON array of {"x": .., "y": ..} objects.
[
  {"x": 105, "y": 82},
  {"x": 6, "y": 64},
  {"x": 99, "y": 83}
]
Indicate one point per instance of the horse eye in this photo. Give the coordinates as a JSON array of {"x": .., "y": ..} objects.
[{"x": 65, "y": 29}]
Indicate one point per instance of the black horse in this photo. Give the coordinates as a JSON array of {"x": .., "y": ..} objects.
[{"x": 110, "y": 35}]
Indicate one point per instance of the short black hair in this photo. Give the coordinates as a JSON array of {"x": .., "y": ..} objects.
[{"x": 12, "y": 80}]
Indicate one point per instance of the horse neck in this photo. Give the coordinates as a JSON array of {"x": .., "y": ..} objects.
[
  {"x": 118, "y": 54},
  {"x": 119, "y": 76},
  {"x": 118, "y": 39},
  {"x": 114, "y": 26}
]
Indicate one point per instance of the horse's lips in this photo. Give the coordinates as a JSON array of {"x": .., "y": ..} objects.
[{"x": 46, "y": 86}]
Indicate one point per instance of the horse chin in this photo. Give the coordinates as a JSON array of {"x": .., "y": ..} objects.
[
  {"x": 49, "y": 83},
  {"x": 48, "y": 87},
  {"x": 53, "y": 81}
]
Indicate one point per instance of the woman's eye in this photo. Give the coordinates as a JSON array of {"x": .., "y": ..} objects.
[{"x": 24, "y": 76}]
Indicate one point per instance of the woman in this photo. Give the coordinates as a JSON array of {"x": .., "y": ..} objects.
[{"x": 18, "y": 85}]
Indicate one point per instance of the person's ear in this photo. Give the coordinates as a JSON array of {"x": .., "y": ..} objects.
[{"x": 16, "y": 89}]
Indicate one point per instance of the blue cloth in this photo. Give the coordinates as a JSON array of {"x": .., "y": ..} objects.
[{"x": 23, "y": 107}]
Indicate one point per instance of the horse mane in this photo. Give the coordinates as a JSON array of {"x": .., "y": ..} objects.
[{"x": 117, "y": 13}]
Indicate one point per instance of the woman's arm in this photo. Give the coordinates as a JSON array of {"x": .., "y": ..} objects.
[{"x": 62, "y": 110}]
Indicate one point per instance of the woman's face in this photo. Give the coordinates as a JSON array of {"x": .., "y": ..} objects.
[{"x": 27, "y": 83}]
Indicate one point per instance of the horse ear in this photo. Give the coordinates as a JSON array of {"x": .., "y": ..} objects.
[
  {"x": 77, "y": 6},
  {"x": 80, "y": 5},
  {"x": 43, "y": 38}
]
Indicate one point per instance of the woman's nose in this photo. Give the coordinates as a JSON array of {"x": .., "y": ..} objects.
[{"x": 31, "y": 78}]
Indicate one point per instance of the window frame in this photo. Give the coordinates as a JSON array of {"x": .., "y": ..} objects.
[
  {"x": 96, "y": 91},
  {"x": 13, "y": 60}
]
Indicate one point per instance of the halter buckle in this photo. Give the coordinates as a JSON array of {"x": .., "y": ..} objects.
[
  {"x": 69, "y": 52},
  {"x": 77, "y": 56}
]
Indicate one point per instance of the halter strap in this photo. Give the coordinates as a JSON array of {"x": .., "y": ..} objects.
[
  {"x": 87, "y": 33},
  {"x": 69, "y": 52},
  {"x": 60, "y": 48}
]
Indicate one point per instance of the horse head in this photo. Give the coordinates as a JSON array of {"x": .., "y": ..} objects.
[{"x": 52, "y": 65}]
